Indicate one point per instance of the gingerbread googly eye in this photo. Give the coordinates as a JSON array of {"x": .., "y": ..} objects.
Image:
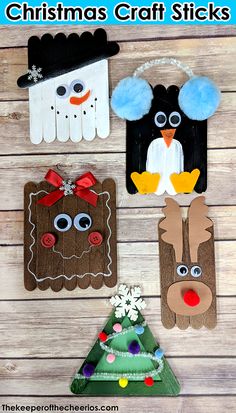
[
  {"x": 196, "y": 271},
  {"x": 182, "y": 270},
  {"x": 82, "y": 221},
  {"x": 62, "y": 222},
  {"x": 62, "y": 91},
  {"x": 175, "y": 119},
  {"x": 160, "y": 119}
]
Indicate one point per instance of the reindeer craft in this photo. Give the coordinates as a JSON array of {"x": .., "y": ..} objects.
[
  {"x": 70, "y": 233},
  {"x": 187, "y": 266}
]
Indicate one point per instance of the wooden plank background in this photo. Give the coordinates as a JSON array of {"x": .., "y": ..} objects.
[{"x": 44, "y": 336}]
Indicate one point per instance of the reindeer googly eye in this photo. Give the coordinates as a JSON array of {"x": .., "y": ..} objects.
[
  {"x": 62, "y": 91},
  {"x": 182, "y": 270},
  {"x": 160, "y": 119},
  {"x": 62, "y": 222},
  {"x": 196, "y": 271},
  {"x": 175, "y": 119},
  {"x": 77, "y": 86}
]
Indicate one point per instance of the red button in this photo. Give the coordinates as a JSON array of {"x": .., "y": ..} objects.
[
  {"x": 48, "y": 240},
  {"x": 95, "y": 238}
]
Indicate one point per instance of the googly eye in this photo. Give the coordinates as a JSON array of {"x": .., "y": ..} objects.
[
  {"x": 182, "y": 270},
  {"x": 62, "y": 222},
  {"x": 196, "y": 271},
  {"x": 82, "y": 221},
  {"x": 175, "y": 119},
  {"x": 62, "y": 91},
  {"x": 77, "y": 86},
  {"x": 160, "y": 119}
]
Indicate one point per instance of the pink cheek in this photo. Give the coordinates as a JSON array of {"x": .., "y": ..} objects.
[
  {"x": 48, "y": 240},
  {"x": 95, "y": 239}
]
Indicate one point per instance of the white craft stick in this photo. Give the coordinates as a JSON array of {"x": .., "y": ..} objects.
[
  {"x": 75, "y": 112},
  {"x": 75, "y": 123},
  {"x": 49, "y": 110},
  {"x": 88, "y": 120},
  {"x": 102, "y": 103},
  {"x": 62, "y": 111},
  {"x": 89, "y": 76},
  {"x": 35, "y": 110}
]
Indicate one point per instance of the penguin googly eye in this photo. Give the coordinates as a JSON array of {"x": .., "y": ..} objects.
[
  {"x": 62, "y": 91},
  {"x": 160, "y": 119},
  {"x": 175, "y": 119}
]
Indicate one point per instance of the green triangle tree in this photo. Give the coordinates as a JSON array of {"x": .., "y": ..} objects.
[{"x": 126, "y": 360}]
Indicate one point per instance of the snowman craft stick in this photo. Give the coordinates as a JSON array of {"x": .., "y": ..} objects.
[
  {"x": 68, "y": 86},
  {"x": 166, "y": 131}
]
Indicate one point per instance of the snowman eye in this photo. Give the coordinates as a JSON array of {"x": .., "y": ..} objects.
[
  {"x": 175, "y": 119},
  {"x": 62, "y": 91},
  {"x": 160, "y": 119},
  {"x": 77, "y": 86}
]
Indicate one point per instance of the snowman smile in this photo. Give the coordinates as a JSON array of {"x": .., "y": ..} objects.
[{"x": 79, "y": 100}]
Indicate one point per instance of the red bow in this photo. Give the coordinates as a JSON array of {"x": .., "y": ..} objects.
[{"x": 79, "y": 188}]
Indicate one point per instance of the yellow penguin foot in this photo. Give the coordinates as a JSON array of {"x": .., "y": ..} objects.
[
  {"x": 146, "y": 182},
  {"x": 185, "y": 181}
]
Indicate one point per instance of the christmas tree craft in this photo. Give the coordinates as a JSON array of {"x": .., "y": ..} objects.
[{"x": 126, "y": 360}]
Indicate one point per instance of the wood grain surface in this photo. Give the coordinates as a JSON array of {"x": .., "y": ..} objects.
[{"x": 44, "y": 336}]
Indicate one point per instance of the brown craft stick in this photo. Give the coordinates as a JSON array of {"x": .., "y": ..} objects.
[
  {"x": 97, "y": 258},
  {"x": 166, "y": 259},
  {"x": 182, "y": 321},
  {"x": 29, "y": 280},
  {"x": 69, "y": 248},
  {"x": 109, "y": 186}
]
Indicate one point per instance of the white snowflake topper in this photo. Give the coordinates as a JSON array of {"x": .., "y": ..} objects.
[
  {"x": 35, "y": 74},
  {"x": 128, "y": 302},
  {"x": 67, "y": 187}
]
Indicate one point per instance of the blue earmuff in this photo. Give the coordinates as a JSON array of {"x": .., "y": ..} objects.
[{"x": 199, "y": 97}]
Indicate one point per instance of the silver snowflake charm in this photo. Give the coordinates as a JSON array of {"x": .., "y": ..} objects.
[
  {"x": 67, "y": 187},
  {"x": 128, "y": 302},
  {"x": 35, "y": 74}
]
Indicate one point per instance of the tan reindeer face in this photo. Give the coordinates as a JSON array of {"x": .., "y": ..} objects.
[{"x": 187, "y": 266}]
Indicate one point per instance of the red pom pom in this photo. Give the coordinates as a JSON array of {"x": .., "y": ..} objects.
[
  {"x": 102, "y": 336},
  {"x": 149, "y": 381},
  {"x": 191, "y": 298}
]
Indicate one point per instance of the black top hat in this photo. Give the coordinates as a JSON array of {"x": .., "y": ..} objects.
[{"x": 53, "y": 56}]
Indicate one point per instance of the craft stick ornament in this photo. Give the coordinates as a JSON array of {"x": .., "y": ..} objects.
[
  {"x": 68, "y": 86},
  {"x": 126, "y": 361},
  {"x": 187, "y": 266},
  {"x": 70, "y": 233},
  {"x": 166, "y": 131}
]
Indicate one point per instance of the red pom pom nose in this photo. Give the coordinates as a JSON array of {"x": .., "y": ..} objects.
[{"x": 191, "y": 298}]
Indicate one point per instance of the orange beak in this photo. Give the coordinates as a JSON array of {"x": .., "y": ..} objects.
[
  {"x": 168, "y": 135},
  {"x": 78, "y": 101}
]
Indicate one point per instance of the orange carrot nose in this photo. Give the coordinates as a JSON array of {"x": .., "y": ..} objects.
[
  {"x": 191, "y": 298},
  {"x": 168, "y": 135}
]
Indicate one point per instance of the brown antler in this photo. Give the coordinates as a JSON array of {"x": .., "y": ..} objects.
[
  {"x": 198, "y": 224},
  {"x": 173, "y": 226}
]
